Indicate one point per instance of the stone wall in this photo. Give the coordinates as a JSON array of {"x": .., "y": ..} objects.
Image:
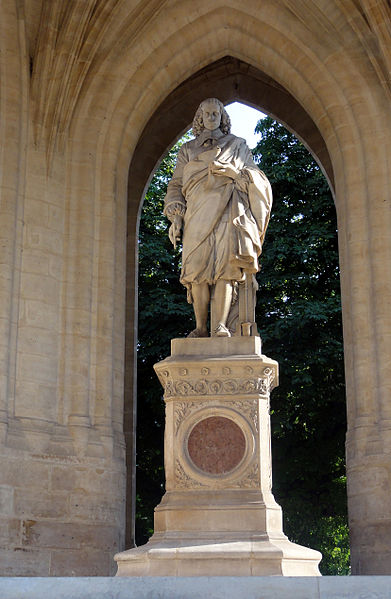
[{"x": 80, "y": 83}]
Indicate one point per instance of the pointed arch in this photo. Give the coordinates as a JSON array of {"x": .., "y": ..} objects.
[{"x": 309, "y": 54}]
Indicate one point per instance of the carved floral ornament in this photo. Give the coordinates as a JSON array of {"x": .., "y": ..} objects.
[
  {"x": 249, "y": 480},
  {"x": 191, "y": 381},
  {"x": 246, "y": 408},
  {"x": 216, "y": 386},
  {"x": 180, "y": 387}
]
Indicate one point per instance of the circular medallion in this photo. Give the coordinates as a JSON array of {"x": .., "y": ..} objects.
[{"x": 216, "y": 445}]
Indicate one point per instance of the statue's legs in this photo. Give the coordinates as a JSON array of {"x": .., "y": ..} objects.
[
  {"x": 222, "y": 305},
  {"x": 201, "y": 299}
]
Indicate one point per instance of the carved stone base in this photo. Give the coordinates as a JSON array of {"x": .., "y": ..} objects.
[
  {"x": 225, "y": 556},
  {"x": 218, "y": 516}
]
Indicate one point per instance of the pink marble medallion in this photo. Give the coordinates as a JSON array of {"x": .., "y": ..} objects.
[{"x": 216, "y": 445}]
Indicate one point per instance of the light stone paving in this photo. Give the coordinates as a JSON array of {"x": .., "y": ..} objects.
[{"x": 270, "y": 587}]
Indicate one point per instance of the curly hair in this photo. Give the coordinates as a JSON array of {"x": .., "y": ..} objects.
[{"x": 198, "y": 124}]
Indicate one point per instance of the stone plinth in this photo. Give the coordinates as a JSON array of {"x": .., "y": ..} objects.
[{"x": 218, "y": 516}]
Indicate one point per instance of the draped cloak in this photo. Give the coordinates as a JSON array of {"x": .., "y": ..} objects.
[{"x": 224, "y": 219}]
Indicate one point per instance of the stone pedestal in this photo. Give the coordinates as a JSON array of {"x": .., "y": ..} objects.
[{"x": 218, "y": 516}]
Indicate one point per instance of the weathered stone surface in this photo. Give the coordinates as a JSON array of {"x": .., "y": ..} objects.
[
  {"x": 135, "y": 74},
  {"x": 268, "y": 587},
  {"x": 218, "y": 515}
]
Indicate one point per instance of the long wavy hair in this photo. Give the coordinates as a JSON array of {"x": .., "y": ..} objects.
[{"x": 198, "y": 123}]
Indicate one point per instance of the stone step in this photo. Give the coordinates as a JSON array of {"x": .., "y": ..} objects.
[{"x": 223, "y": 587}]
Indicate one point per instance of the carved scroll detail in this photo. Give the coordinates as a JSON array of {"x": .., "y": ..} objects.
[
  {"x": 184, "y": 480},
  {"x": 183, "y": 409},
  {"x": 247, "y": 408},
  {"x": 244, "y": 386},
  {"x": 250, "y": 480}
]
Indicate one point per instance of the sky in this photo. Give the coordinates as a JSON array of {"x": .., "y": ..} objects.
[{"x": 243, "y": 121}]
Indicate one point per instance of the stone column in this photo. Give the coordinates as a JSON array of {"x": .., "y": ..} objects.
[{"x": 218, "y": 515}]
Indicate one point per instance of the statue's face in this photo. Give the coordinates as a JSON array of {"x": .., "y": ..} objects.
[{"x": 211, "y": 115}]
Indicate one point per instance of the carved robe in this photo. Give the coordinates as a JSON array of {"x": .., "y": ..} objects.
[{"x": 225, "y": 218}]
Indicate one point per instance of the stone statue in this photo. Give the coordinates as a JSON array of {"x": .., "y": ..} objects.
[{"x": 222, "y": 202}]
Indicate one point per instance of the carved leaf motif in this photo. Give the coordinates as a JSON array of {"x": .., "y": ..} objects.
[
  {"x": 263, "y": 386},
  {"x": 215, "y": 386},
  {"x": 169, "y": 389},
  {"x": 270, "y": 375},
  {"x": 250, "y": 480},
  {"x": 230, "y": 386},
  {"x": 181, "y": 410},
  {"x": 248, "y": 408},
  {"x": 183, "y": 479},
  {"x": 184, "y": 409},
  {"x": 249, "y": 386},
  {"x": 183, "y": 387},
  {"x": 201, "y": 387}
]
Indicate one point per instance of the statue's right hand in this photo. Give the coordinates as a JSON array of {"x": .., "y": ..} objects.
[
  {"x": 174, "y": 232},
  {"x": 171, "y": 235}
]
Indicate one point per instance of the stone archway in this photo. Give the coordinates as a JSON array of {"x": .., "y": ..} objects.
[
  {"x": 80, "y": 83},
  {"x": 229, "y": 79}
]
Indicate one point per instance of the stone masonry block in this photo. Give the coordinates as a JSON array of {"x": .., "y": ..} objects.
[
  {"x": 36, "y": 262},
  {"x": 56, "y": 218},
  {"x": 24, "y": 561},
  {"x": 10, "y": 532},
  {"x": 39, "y": 341},
  {"x": 40, "y": 288},
  {"x": 44, "y": 400},
  {"x": 36, "y": 212},
  {"x": 108, "y": 511},
  {"x": 86, "y": 562},
  {"x": 39, "y": 314},
  {"x": 37, "y": 237},
  {"x": 84, "y": 479},
  {"x": 42, "y": 369},
  {"x": 70, "y": 535},
  {"x": 6, "y": 500},
  {"x": 35, "y": 504},
  {"x": 24, "y": 473},
  {"x": 55, "y": 267}
]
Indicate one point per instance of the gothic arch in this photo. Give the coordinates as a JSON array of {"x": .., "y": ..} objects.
[
  {"x": 326, "y": 76},
  {"x": 91, "y": 80},
  {"x": 230, "y": 80}
]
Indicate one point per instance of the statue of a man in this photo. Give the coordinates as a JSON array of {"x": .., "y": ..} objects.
[{"x": 222, "y": 202}]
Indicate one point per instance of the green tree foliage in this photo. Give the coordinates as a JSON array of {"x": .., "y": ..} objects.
[
  {"x": 299, "y": 317},
  {"x": 163, "y": 314}
]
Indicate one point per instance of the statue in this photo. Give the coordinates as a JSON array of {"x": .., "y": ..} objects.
[
  {"x": 218, "y": 508},
  {"x": 222, "y": 201}
]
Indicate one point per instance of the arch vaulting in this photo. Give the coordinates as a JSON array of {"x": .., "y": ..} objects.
[{"x": 93, "y": 93}]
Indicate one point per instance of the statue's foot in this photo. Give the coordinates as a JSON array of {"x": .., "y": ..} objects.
[
  {"x": 221, "y": 331},
  {"x": 198, "y": 333}
]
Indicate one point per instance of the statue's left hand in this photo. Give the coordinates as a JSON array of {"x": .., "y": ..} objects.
[{"x": 218, "y": 168}]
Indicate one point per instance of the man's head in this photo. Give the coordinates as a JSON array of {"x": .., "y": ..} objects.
[{"x": 211, "y": 115}]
